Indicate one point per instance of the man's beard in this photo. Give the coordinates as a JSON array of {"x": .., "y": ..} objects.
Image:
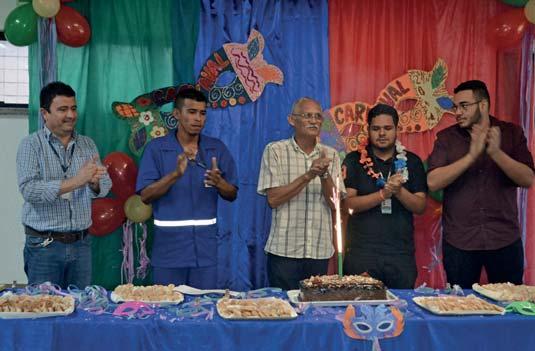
[
  {"x": 476, "y": 118},
  {"x": 384, "y": 149}
]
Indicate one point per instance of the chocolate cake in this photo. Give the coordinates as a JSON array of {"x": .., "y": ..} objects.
[{"x": 346, "y": 288}]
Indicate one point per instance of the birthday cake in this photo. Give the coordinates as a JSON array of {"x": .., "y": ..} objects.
[{"x": 346, "y": 288}]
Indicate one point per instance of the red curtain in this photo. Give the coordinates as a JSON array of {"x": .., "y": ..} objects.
[{"x": 374, "y": 41}]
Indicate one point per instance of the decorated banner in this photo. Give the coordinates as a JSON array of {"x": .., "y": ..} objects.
[
  {"x": 420, "y": 97},
  {"x": 244, "y": 64},
  {"x": 245, "y": 68}
]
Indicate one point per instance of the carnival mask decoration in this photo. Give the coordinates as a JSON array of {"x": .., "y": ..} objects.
[
  {"x": 236, "y": 74},
  {"x": 367, "y": 322},
  {"x": 420, "y": 97},
  {"x": 145, "y": 117}
]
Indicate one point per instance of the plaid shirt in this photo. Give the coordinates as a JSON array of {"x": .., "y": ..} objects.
[
  {"x": 39, "y": 175},
  {"x": 302, "y": 227}
]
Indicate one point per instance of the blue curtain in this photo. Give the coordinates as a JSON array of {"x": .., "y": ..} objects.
[{"x": 296, "y": 38}]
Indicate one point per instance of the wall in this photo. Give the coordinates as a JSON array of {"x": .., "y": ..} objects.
[
  {"x": 5, "y": 8},
  {"x": 13, "y": 127}
]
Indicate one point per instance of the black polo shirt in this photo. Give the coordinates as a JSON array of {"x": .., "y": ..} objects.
[{"x": 371, "y": 230}]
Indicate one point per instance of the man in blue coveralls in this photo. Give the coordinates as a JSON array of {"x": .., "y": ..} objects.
[{"x": 183, "y": 174}]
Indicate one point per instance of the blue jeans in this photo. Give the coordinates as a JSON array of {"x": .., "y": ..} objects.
[{"x": 58, "y": 263}]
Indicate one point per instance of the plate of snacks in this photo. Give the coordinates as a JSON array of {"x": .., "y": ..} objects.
[
  {"x": 457, "y": 305},
  {"x": 152, "y": 294},
  {"x": 266, "y": 308},
  {"x": 35, "y": 306},
  {"x": 506, "y": 292}
]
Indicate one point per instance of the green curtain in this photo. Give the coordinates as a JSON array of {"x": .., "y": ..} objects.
[{"x": 130, "y": 53}]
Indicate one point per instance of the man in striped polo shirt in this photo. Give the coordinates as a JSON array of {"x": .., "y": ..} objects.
[{"x": 298, "y": 176}]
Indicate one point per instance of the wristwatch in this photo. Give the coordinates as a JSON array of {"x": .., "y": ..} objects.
[{"x": 325, "y": 175}]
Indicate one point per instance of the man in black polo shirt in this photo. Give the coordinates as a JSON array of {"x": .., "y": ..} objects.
[
  {"x": 385, "y": 185},
  {"x": 480, "y": 162}
]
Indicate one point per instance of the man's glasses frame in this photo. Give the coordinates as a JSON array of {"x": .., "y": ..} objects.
[
  {"x": 464, "y": 106},
  {"x": 308, "y": 116}
]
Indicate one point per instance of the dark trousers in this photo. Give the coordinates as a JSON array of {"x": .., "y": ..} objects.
[
  {"x": 286, "y": 272},
  {"x": 197, "y": 277},
  {"x": 502, "y": 265},
  {"x": 395, "y": 270}
]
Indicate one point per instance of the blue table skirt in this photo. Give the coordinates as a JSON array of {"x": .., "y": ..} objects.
[{"x": 312, "y": 331}]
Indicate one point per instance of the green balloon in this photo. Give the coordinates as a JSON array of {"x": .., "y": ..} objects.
[
  {"x": 20, "y": 28},
  {"x": 136, "y": 210},
  {"x": 516, "y": 3}
]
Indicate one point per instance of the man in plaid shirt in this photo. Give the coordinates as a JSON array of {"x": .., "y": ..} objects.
[
  {"x": 298, "y": 176},
  {"x": 58, "y": 174}
]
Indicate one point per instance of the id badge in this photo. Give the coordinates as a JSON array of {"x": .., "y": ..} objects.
[
  {"x": 386, "y": 206},
  {"x": 67, "y": 196}
]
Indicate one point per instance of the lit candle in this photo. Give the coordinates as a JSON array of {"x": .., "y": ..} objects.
[{"x": 338, "y": 223}]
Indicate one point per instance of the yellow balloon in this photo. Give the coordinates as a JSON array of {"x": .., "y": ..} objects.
[
  {"x": 529, "y": 11},
  {"x": 46, "y": 8},
  {"x": 136, "y": 210}
]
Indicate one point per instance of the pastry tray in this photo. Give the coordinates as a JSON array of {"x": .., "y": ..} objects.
[
  {"x": 118, "y": 299},
  {"x": 293, "y": 313},
  {"x": 491, "y": 294},
  {"x": 293, "y": 296},
  {"x": 32, "y": 315},
  {"x": 420, "y": 302}
]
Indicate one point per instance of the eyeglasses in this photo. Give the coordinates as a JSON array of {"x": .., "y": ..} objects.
[
  {"x": 308, "y": 116},
  {"x": 464, "y": 106}
]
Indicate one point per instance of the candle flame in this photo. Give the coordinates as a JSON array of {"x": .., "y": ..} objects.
[{"x": 338, "y": 216}]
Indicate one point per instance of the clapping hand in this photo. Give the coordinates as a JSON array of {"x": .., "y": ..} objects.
[
  {"x": 393, "y": 185},
  {"x": 493, "y": 141},
  {"x": 88, "y": 171},
  {"x": 213, "y": 175},
  {"x": 478, "y": 140},
  {"x": 320, "y": 165}
]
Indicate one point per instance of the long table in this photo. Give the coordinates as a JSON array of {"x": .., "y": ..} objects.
[{"x": 316, "y": 329}]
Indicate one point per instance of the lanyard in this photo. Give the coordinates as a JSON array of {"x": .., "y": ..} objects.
[{"x": 64, "y": 167}]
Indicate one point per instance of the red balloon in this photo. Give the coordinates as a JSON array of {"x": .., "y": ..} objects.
[
  {"x": 123, "y": 174},
  {"x": 72, "y": 27},
  {"x": 507, "y": 29},
  {"x": 107, "y": 215}
]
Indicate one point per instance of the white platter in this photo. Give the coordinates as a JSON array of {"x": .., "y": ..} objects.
[
  {"x": 497, "y": 295},
  {"x": 420, "y": 302},
  {"x": 189, "y": 290},
  {"x": 293, "y": 296},
  {"x": 32, "y": 315},
  {"x": 293, "y": 313}
]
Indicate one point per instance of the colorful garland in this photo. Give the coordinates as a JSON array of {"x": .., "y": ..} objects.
[{"x": 400, "y": 164}]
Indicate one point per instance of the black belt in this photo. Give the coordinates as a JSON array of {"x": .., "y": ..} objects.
[{"x": 62, "y": 237}]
